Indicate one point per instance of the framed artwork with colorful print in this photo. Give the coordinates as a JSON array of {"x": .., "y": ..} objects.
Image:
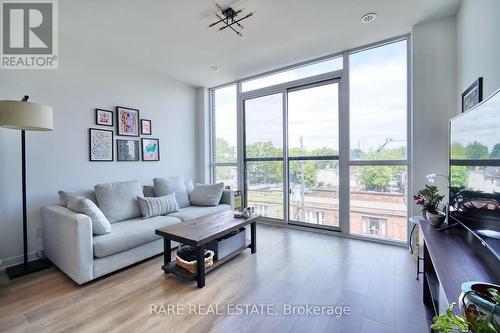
[
  {"x": 127, "y": 121},
  {"x": 150, "y": 149},
  {"x": 146, "y": 127},
  {"x": 100, "y": 145},
  {"x": 103, "y": 117}
]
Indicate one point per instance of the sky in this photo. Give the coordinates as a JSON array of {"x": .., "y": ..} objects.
[{"x": 378, "y": 103}]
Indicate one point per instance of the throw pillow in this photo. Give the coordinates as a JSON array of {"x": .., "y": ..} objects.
[
  {"x": 118, "y": 201},
  {"x": 64, "y": 195},
  {"x": 164, "y": 186},
  {"x": 207, "y": 194},
  {"x": 151, "y": 206},
  {"x": 189, "y": 186},
  {"x": 100, "y": 224}
]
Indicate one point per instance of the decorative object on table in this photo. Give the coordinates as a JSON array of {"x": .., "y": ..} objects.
[
  {"x": 127, "y": 121},
  {"x": 480, "y": 305},
  {"x": 25, "y": 116},
  {"x": 480, "y": 310},
  {"x": 103, "y": 117},
  {"x": 245, "y": 214},
  {"x": 186, "y": 258},
  {"x": 127, "y": 150},
  {"x": 430, "y": 200},
  {"x": 146, "y": 127},
  {"x": 229, "y": 18},
  {"x": 150, "y": 149},
  {"x": 237, "y": 200},
  {"x": 100, "y": 145},
  {"x": 473, "y": 95}
]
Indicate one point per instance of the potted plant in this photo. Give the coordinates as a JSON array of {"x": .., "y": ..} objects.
[
  {"x": 430, "y": 200},
  {"x": 479, "y": 311}
]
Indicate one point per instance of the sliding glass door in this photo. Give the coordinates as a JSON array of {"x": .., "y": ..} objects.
[{"x": 313, "y": 154}]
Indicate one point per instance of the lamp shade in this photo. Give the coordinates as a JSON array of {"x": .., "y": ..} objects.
[{"x": 26, "y": 116}]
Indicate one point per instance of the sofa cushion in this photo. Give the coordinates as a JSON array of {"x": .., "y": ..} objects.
[
  {"x": 192, "y": 212},
  {"x": 158, "y": 206},
  {"x": 206, "y": 194},
  {"x": 131, "y": 233},
  {"x": 148, "y": 191},
  {"x": 164, "y": 186},
  {"x": 118, "y": 201},
  {"x": 64, "y": 195},
  {"x": 100, "y": 224}
]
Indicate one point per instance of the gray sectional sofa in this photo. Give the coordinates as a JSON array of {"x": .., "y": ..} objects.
[{"x": 69, "y": 242}]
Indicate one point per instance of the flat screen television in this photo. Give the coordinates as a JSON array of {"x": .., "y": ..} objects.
[{"x": 475, "y": 171}]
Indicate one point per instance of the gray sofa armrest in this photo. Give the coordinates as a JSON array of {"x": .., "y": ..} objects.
[
  {"x": 67, "y": 241},
  {"x": 227, "y": 198}
]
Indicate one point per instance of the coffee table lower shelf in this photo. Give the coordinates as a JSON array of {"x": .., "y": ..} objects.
[{"x": 172, "y": 268}]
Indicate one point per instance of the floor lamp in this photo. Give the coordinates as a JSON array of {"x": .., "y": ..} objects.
[{"x": 25, "y": 116}]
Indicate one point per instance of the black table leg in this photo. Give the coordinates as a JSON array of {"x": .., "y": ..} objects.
[
  {"x": 200, "y": 267},
  {"x": 167, "y": 256},
  {"x": 253, "y": 237}
]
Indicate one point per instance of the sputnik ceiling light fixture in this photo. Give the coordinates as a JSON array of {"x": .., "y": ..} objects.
[{"x": 228, "y": 18}]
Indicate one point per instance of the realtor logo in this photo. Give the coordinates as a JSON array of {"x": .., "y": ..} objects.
[{"x": 29, "y": 35}]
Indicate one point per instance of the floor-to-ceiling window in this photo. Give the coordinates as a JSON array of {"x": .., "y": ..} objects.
[
  {"x": 322, "y": 145},
  {"x": 224, "y": 167},
  {"x": 378, "y": 142}
]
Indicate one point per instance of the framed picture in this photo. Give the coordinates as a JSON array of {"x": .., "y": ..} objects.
[
  {"x": 150, "y": 149},
  {"x": 100, "y": 145},
  {"x": 103, "y": 117},
  {"x": 127, "y": 121},
  {"x": 473, "y": 95},
  {"x": 146, "y": 127},
  {"x": 127, "y": 150}
]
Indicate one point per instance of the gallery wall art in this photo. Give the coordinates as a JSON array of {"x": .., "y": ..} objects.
[
  {"x": 100, "y": 145},
  {"x": 150, "y": 149},
  {"x": 127, "y": 121},
  {"x": 127, "y": 150},
  {"x": 103, "y": 117}
]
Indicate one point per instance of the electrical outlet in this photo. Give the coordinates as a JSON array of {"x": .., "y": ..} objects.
[{"x": 38, "y": 232}]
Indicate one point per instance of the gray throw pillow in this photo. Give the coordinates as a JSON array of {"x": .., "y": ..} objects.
[
  {"x": 164, "y": 186},
  {"x": 206, "y": 194},
  {"x": 64, "y": 195},
  {"x": 100, "y": 224},
  {"x": 189, "y": 186},
  {"x": 158, "y": 206},
  {"x": 148, "y": 191},
  {"x": 118, "y": 201}
]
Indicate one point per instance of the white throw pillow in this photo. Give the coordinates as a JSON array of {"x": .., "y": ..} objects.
[
  {"x": 100, "y": 224},
  {"x": 154, "y": 206},
  {"x": 206, "y": 194}
]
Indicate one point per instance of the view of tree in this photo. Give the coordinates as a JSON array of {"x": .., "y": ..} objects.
[
  {"x": 459, "y": 176},
  {"x": 495, "y": 152},
  {"x": 476, "y": 150},
  {"x": 224, "y": 152}
]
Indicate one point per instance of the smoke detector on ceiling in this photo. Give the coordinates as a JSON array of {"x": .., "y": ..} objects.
[
  {"x": 216, "y": 68},
  {"x": 368, "y": 18}
]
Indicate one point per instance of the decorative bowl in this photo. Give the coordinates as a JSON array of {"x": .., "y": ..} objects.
[{"x": 435, "y": 219}]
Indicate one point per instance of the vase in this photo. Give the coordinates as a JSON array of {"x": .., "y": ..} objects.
[
  {"x": 474, "y": 303},
  {"x": 435, "y": 219}
]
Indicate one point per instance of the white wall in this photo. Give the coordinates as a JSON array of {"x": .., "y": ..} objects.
[
  {"x": 86, "y": 79},
  {"x": 478, "y": 34},
  {"x": 434, "y": 97}
]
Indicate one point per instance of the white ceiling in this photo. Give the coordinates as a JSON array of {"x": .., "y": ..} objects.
[{"x": 171, "y": 36}]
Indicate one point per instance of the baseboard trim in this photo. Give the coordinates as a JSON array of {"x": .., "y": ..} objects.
[
  {"x": 4, "y": 263},
  {"x": 329, "y": 232}
]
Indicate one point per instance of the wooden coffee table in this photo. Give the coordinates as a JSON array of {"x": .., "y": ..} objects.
[{"x": 197, "y": 233}]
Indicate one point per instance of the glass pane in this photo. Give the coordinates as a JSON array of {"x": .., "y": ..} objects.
[
  {"x": 314, "y": 192},
  {"x": 325, "y": 66},
  {"x": 265, "y": 188},
  {"x": 485, "y": 179},
  {"x": 378, "y": 202},
  {"x": 378, "y": 103},
  {"x": 313, "y": 118},
  {"x": 228, "y": 175},
  {"x": 225, "y": 124},
  {"x": 264, "y": 126}
]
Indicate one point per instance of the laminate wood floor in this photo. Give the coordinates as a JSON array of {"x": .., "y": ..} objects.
[{"x": 291, "y": 267}]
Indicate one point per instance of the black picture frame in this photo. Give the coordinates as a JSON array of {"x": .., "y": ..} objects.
[
  {"x": 119, "y": 131},
  {"x": 142, "y": 127},
  {"x": 91, "y": 155},
  {"x": 473, "y": 95},
  {"x": 97, "y": 111},
  {"x": 120, "y": 157},
  {"x": 143, "y": 149}
]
